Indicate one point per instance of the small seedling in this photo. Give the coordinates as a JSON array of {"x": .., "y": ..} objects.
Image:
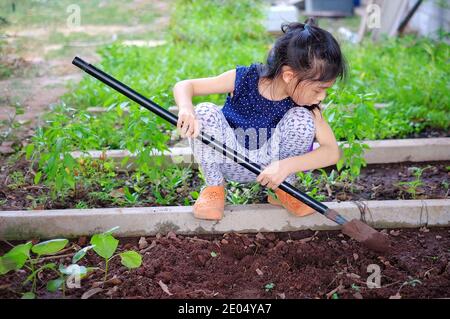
[
  {"x": 269, "y": 286},
  {"x": 194, "y": 194},
  {"x": 17, "y": 180},
  {"x": 412, "y": 282},
  {"x": 130, "y": 197},
  {"x": 355, "y": 287},
  {"x": 105, "y": 246},
  {"x": 82, "y": 205},
  {"x": 411, "y": 187}
]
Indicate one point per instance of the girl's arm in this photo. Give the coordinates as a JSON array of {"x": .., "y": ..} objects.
[
  {"x": 183, "y": 92},
  {"x": 327, "y": 154}
]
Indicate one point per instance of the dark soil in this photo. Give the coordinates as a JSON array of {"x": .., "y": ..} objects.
[
  {"x": 376, "y": 182},
  {"x": 430, "y": 132},
  {"x": 299, "y": 264}
]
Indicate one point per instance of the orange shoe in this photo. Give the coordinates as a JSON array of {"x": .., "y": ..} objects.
[
  {"x": 211, "y": 203},
  {"x": 292, "y": 204}
]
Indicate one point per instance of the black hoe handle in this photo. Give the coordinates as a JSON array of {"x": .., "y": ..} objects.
[{"x": 205, "y": 138}]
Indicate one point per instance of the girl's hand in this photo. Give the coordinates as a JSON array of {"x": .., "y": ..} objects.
[
  {"x": 274, "y": 174},
  {"x": 187, "y": 125}
]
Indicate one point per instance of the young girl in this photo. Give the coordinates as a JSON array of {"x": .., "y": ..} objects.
[{"x": 271, "y": 115}]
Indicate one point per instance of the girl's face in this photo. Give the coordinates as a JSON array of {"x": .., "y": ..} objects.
[{"x": 307, "y": 92}]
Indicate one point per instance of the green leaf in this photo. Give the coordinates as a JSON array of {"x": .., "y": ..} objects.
[
  {"x": 54, "y": 285},
  {"x": 110, "y": 231},
  {"x": 105, "y": 244},
  {"x": 269, "y": 286},
  {"x": 125, "y": 160},
  {"x": 29, "y": 150},
  {"x": 80, "y": 254},
  {"x": 213, "y": 254},
  {"x": 6, "y": 265},
  {"x": 194, "y": 194},
  {"x": 49, "y": 247},
  {"x": 37, "y": 177},
  {"x": 131, "y": 259},
  {"x": 15, "y": 258},
  {"x": 28, "y": 295}
]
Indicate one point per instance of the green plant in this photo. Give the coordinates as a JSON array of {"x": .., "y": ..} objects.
[
  {"x": 354, "y": 123},
  {"x": 241, "y": 194},
  {"x": 310, "y": 185},
  {"x": 269, "y": 286},
  {"x": 81, "y": 205},
  {"x": 105, "y": 246},
  {"x": 16, "y": 180},
  {"x": 130, "y": 197},
  {"x": 19, "y": 257},
  {"x": 410, "y": 282},
  {"x": 356, "y": 287},
  {"x": 411, "y": 187},
  {"x": 446, "y": 185}
]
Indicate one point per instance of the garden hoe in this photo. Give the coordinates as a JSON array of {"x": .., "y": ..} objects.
[{"x": 355, "y": 229}]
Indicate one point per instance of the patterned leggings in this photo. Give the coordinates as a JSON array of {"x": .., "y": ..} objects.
[{"x": 292, "y": 136}]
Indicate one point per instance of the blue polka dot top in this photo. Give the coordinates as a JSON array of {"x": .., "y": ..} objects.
[{"x": 248, "y": 109}]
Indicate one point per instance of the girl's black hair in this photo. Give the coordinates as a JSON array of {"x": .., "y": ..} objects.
[{"x": 310, "y": 51}]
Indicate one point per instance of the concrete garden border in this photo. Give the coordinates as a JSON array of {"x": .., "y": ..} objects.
[
  {"x": 142, "y": 221},
  {"x": 381, "y": 152}
]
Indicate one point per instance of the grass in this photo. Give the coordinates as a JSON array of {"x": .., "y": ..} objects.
[
  {"x": 410, "y": 74},
  {"x": 48, "y": 20},
  {"x": 45, "y": 13},
  {"x": 81, "y": 43}
]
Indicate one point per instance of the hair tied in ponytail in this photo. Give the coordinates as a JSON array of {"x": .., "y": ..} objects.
[{"x": 307, "y": 28}]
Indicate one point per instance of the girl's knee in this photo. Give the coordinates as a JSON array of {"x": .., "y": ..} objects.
[
  {"x": 299, "y": 119},
  {"x": 299, "y": 114},
  {"x": 206, "y": 109},
  {"x": 211, "y": 119}
]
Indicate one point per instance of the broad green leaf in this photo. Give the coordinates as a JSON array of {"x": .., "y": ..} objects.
[
  {"x": 194, "y": 194},
  {"x": 6, "y": 265},
  {"x": 15, "y": 258},
  {"x": 80, "y": 254},
  {"x": 49, "y": 247},
  {"x": 105, "y": 245},
  {"x": 54, "y": 285},
  {"x": 131, "y": 259}
]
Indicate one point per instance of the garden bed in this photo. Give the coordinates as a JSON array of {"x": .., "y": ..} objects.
[
  {"x": 381, "y": 151},
  {"x": 376, "y": 182},
  {"x": 301, "y": 264}
]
